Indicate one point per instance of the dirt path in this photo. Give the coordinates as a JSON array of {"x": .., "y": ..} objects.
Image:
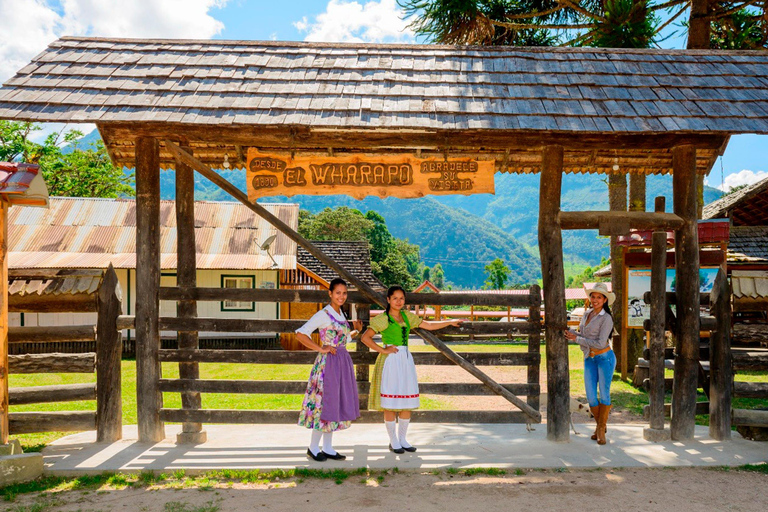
[{"x": 642, "y": 490}]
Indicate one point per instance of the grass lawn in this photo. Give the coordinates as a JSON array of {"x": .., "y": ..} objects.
[{"x": 624, "y": 395}]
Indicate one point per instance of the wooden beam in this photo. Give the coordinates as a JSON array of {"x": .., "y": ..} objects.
[
  {"x": 354, "y": 297},
  {"x": 307, "y": 357},
  {"x": 720, "y": 361},
  {"x": 50, "y": 303},
  {"x": 249, "y": 325},
  {"x": 51, "y": 333},
  {"x": 706, "y": 323},
  {"x": 288, "y": 417},
  {"x": 149, "y": 400},
  {"x": 617, "y": 200},
  {"x": 4, "y": 427},
  {"x": 59, "y": 421},
  {"x": 701, "y": 409},
  {"x": 186, "y": 278},
  {"x": 657, "y": 321},
  {"x": 363, "y": 287},
  {"x": 750, "y": 361},
  {"x": 302, "y": 138},
  {"x": 750, "y": 417},
  {"x": 747, "y": 389},
  {"x": 552, "y": 271},
  {"x": 534, "y": 345},
  {"x": 109, "y": 351},
  {"x": 687, "y": 290},
  {"x": 633, "y": 220},
  {"x": 53, "y": 363},
  {"x": 671, "y": 298},
  {"x": 299, "y": 387},
  {"x": 49, "y": 394}
]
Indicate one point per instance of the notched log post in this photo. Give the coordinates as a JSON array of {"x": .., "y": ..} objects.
[
  {"x": 687, "y": 272},
  {"x": 551, "y": 250},
  {"x": 186, "y": 278},
  {"x": 720, "y": 361},
  {"x": 149, "y": 400},
  {"x": 109, "y": 348}
]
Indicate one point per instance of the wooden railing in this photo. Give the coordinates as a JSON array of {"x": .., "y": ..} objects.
[
  {"x": 361, "y": 357},
  {"x": 105, "y": 362}
]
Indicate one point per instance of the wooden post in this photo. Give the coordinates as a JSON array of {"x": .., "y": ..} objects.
[
  {"x": 3, "y": 323},
  {"x": 720, "y": 361},
  {"x": 551, "y": 251},
  {"x": 687, "y": 294},
  {"x": 186, "y": 278},
  {"x": 534, "y": 343},
  {"x": 149, "y": 400},
  {"x": 700, "y": 197},
  {"x": 637, "y": 193},
  {"x": 617, "y": 199},
  {"x": 656, "y": 432},
  {"x": 109, "y": 349},
  {"x": 362, "y": 370}
]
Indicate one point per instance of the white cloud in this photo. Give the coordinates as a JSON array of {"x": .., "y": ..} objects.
[
  {"x": 744, "y": 177},
  {"x": 30, "y": 25},
  {"x": 350, "y": 21}
]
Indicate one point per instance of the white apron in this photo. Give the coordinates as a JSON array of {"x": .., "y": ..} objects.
[{"x": 399, "y": 386}]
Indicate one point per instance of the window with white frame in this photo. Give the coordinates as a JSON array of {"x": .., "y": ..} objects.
[{"x": 237, "y": 282}]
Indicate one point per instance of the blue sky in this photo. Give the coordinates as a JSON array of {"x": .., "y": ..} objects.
[{"x": 30, "y": 25}]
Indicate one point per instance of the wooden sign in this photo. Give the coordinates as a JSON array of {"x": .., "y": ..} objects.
[{"x": 366, "y": 175}]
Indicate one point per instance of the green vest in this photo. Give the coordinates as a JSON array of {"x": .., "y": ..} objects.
[{"x": 393, "y": 334}]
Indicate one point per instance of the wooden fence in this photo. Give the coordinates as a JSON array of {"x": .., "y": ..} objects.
[
  {"x": 105, "y": 362},
  {"x": 362, "y": 357}
]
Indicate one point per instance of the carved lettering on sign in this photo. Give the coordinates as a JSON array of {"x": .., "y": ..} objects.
[{"x": 364, "y": 175}]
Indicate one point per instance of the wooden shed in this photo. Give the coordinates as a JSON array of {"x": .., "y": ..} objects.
[{"x": 195, "y": 104}]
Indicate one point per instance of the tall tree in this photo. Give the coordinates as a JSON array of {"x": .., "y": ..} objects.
[
  {"x": 497, "y": 274},
  {"x": 438, "y": 276}
]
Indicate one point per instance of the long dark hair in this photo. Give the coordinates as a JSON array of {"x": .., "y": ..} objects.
[
  {"x": 332, "y": 286},
  {"x": 390, "y": 292}
]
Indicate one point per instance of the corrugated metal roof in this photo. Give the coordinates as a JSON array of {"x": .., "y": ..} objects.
[{"x": 92, "y": 233}]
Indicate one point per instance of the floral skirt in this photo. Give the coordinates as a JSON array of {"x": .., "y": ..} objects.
[{"x": 338, "y": 372}]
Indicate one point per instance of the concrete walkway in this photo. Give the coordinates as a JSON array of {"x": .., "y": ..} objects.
[{"x": 439, "y": 446}]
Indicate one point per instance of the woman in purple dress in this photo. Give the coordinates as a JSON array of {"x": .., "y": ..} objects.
[{"x": 331, "y": 401}]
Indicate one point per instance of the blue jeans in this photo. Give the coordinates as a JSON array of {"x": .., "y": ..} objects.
[{"x": 598, "y": 372}]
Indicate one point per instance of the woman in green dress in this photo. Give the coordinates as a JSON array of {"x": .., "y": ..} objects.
[{"x": 394, "y": 386}]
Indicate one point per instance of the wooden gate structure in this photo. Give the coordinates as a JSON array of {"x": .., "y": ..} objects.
[{"x": 198, "y": 105}]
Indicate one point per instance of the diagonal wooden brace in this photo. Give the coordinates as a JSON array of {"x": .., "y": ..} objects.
[{"x": 375, "y": 297}]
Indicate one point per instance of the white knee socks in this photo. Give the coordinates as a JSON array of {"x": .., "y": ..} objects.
[
  {"x": 392, "y": 431},
  {"x": 314, "y": 443},
  {"x": 328, "y": 443},
  {"x": 402, "y": 431}
]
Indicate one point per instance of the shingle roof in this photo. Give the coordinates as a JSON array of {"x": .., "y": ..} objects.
[
  {"x": 92, "y": 233},
  {"x": 391, "y": 86},
  {"x": 748, "y": 244},
  {"x": 353, "y": 256},
  {"x": 425, "y": 89},
  {"x": 748, "y": 206}
]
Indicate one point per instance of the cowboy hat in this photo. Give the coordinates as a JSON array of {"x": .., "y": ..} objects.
[{"x": 602, "y": 288}]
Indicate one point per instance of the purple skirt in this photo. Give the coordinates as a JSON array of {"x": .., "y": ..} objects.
[{"x": 340, "y": 400}]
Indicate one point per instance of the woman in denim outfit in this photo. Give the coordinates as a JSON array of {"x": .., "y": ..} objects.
[{"x": 594, "y": 336}]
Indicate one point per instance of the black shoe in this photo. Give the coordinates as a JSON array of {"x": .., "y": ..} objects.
[
  {"x": 335, "y": 456},
  {"x": 320, "y": 457},
  {"x": 410, "y": 449},
  {"x": 396, "y": 450}
]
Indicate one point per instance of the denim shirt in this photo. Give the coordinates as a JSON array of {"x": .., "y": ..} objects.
[{"x": 596, "y": 334}]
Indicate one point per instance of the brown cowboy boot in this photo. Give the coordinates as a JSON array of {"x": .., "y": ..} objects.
[
  {"x": 602, "y": 423},
  {"x": 596, "y": 414}
]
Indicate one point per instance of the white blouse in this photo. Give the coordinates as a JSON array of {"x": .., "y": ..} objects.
[{"x": 320, "y": 320}]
